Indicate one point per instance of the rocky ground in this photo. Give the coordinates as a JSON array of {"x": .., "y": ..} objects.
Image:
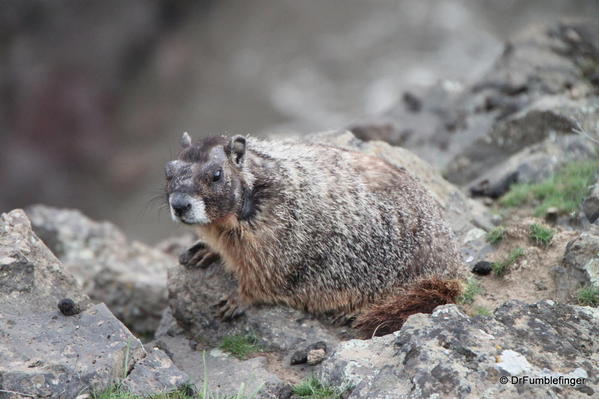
[{"x": 83, "y": 309}]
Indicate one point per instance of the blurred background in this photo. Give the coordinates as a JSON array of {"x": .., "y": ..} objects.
[{"x": 94, "y": 95}]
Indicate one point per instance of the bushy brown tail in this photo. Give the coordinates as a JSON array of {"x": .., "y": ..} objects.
[{"x": 422, "y": 296}]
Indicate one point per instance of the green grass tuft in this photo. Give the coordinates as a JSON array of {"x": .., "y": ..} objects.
[
  {"x": 471, "y": 290},
  {"x": 588, "y": 296},
  {"x": 502, "y": 267},
  {"x": 496, "y": 235},
  {"x": 312, "y": 388},
  {"x": 117, "y": 392},
  {"x": 565, "y": 190},
  {"x": 482, "y": 311},
  {"x": 240, "y": 346},
  {"x": 540, "y": 234}
]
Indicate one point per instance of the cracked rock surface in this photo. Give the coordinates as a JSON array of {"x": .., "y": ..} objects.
[
  {"x": 45, "y": 354},
  {"x": 452, "y": 355}
]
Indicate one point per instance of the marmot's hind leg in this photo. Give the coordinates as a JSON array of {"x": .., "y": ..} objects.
[{"x": 198, "y": 256}]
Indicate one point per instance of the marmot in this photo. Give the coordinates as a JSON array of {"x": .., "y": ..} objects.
[{"x": 314, "y": 227}]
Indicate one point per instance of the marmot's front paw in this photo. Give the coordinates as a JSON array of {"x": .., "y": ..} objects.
[
  {"x": 229, "y": 308},
  {"x": 198, "y": 255}
]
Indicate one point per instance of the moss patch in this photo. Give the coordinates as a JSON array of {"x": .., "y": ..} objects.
[
  {"x": 564, "y": 191},
  {"x": 471, "y": 290},
  {"x": 496, "y": 235},
  {"x": 313, "y": 388},
  {"x": 588, "y": 296},
  {"x": 502, "y": 267},
  {"x": 240, "y": 346}
]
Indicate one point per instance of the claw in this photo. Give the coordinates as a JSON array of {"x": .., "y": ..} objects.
[
  {"x": 229, "y": 308},
  {"x": 199, "y": 255}
]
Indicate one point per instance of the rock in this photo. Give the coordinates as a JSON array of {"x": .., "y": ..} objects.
[
  {"x": 525, "y": 98},
  {"x": 483, "y": 268},
  {"x": 580, "y": 266},
  {"x": 175, "y": 246},
  {"x": 192, "y": 292},
  {"x": 590, "y": 206},
  {"x": 453, "y": 355},
  {"x": 44, "y": 353},
  {"x": 315, "y": 356},
  {"x": 301, "y": 356},
  {"x": 155, "y": 373},
  {"x": 540, "y": 86},
  {"x": 541, "y": 122},
  {"x": 533, "y": 164},
  {"x": 474, "y": 247},
  {"x": 129, "y": 277},
  {"x": 216, "y": 368},
  {"x": 31, "y": 278}
]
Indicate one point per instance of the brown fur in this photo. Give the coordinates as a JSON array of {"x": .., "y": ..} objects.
[{"x": 422, "y": 296}]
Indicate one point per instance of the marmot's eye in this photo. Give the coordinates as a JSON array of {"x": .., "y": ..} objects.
[{"x": 216, "y": 175}]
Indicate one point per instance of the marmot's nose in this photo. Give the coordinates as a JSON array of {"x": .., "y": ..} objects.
[{"x": 180, "y": 203}]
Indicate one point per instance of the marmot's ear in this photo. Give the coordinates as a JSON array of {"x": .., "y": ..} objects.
[
  {"x": 235, "y": 150},
  {"x": 185, "y": 140}
]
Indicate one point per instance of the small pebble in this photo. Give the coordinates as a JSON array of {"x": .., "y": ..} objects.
[
  {"x": 315, "y": 356},
  {"x": 68, "y": 307},
  {"x": 482, "y": 268}
]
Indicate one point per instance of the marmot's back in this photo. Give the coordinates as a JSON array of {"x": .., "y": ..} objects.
[{"x": 314, "y": 226}]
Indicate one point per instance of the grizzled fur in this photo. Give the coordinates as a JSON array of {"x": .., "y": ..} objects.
[{"x": 314, "y": 226}]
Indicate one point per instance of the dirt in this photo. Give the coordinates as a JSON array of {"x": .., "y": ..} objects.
[{"x": 530, "y": 278}]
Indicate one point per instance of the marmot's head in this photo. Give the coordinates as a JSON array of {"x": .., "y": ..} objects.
[{"x": 205, "y": 184}]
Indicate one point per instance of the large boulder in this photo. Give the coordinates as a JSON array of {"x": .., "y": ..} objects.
[
  {"x": 193, "y": 294},
  {"x": 45, "y": 353},
  {"x": 542, "y": 122},
  {"x": 543, "y": 84},
  {"x": 128, "y": 276},
  {"x": 453, "y": 355}
]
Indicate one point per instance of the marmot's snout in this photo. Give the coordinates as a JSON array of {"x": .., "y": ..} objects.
[{"x": 187, "y": 209}]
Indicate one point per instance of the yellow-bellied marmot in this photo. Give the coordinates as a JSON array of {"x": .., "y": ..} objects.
[{"x": 314, "y": 227}]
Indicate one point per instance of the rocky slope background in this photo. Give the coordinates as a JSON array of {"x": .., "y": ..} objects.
[{"x": 87, "y": 313}]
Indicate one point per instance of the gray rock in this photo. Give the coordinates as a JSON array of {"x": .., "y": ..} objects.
[
  {"x": 538, "y": 87},
  {"x": 474, "y": 247},
  {"x": 542, "y": 121},
  {"x": 222, "y": 373},
  {"x": 543, "y": 82},
  {"x": 590, "y": 206},
  {"x": 129, "y": 277},
  {"x": 155, "y": 373},
  {"x": 580, "y": 266},
  {"x": 193, "y": 292},
  {"x": 533, "y": 164},
  {"x": 452, "y": 355},
  {"x": 31, "y": 278},
  {"x": 44, "y": 353},
  {"x": 316, "y": 351}
]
